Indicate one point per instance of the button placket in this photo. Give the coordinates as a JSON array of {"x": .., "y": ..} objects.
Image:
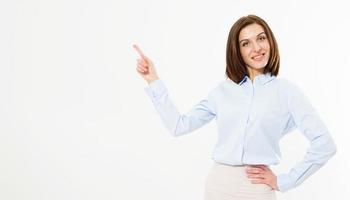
[{"x": 251, "y": 98}]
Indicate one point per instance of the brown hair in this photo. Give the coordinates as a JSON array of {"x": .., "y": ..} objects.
[{"x": 235, "y": 67}]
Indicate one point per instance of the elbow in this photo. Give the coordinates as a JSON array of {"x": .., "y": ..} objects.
[
  {"x": 178, "y": 129},
  {"x": 331, "y": 149},
  {"x": 175, "y": 135},
  {"x": 326, "y": 147},
  {"x": 175, "y": 132},
  {"x": 334, "y": 149}
]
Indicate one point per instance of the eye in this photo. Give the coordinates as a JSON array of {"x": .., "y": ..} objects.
[
  {"x": 244, "y": 44},
  {"x": 262, "y": 38}
]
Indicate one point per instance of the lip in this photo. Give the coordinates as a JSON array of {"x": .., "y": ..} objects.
[{"x": 258, "y": 57}]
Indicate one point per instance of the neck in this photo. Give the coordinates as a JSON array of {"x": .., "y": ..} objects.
[{"x": 255, "y": 72}]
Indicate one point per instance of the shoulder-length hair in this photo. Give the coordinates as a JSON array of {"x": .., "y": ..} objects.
[{"x": 235, "y": 66}]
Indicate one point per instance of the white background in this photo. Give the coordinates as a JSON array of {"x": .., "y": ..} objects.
[{"x": 75, "y": 121}]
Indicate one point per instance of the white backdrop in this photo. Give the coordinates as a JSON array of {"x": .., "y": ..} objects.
[{"x": 75, "y": 121}]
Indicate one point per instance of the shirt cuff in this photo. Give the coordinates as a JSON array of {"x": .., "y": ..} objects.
[
  {"x": 284, "y": 182},
  {"x": 155, "y": 89}
]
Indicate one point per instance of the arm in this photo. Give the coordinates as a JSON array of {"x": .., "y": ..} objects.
[
  {"x": 176, "y": 123},
  {"x": 322, "y": 146}
]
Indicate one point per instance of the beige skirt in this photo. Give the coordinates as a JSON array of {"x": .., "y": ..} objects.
[{"x": 230, "y": 182}]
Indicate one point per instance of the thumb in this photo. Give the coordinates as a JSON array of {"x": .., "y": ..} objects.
[{"x": 148, "y": 60}]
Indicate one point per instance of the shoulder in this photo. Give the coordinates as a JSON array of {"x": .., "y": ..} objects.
[
  {"x": 219, "y": 89},
  {"x": 286, "y": 85},
  {"x": 288, "y": 89},
  {"x": 224, "y": 86}
]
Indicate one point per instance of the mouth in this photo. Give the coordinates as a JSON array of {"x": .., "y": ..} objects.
[{"x": 258, "y": 57}]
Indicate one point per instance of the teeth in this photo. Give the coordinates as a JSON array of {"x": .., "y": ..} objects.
[{"x": 259, "y": 56}]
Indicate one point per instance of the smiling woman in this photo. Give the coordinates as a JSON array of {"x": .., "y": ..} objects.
[
  {"x": 251, "y": 49},
  {"x": 254, "y": 110},
  {"x": 254, "y": 48}
]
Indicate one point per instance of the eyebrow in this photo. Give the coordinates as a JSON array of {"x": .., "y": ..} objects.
[{"x": 257, "y": 36}]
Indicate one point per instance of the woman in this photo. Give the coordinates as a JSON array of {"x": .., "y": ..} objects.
[{"x": 253, "y": 110}]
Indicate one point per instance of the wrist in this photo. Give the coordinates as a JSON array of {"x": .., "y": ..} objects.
[{"x": 149, "y": 81}]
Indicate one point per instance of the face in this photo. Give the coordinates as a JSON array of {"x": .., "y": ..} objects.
[{"x": 254, "y": 47}]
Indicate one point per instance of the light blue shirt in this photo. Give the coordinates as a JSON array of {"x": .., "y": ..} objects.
[{"x": 252, "y": 117}]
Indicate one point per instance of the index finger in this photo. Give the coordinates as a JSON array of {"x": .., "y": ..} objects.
[
  {"x": 264, "y": 167},
  {"x": 139, "y": 51}
]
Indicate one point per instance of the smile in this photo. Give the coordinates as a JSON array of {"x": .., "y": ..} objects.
[{"x": 258, "y": 57}]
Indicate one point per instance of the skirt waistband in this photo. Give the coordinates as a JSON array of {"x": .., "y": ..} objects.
[{"x": 231, "y": 182}]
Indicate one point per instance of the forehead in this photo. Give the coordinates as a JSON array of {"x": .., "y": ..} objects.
[{"x": 250, "y": 31}]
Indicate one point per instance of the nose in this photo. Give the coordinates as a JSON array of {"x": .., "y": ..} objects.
[{"x": 256, "y": 46}]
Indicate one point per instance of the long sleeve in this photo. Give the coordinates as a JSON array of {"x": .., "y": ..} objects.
[
  {"x": 176, "y": 123},
  {"x": 322, "y": 146}
]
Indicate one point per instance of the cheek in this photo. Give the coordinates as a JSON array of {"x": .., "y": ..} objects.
[
  {"x": 245, "y": 53},
  {"x": 266, "y": 46},
  {"x": 268, "y": 50}
]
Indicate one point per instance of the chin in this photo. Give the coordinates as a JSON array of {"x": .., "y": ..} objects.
[{"x": 258, "y": 65}]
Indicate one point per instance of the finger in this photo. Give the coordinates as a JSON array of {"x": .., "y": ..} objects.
[
  {"x": 142, "y": 67},
  {"x": 264, "y": 167},
  {"x": 256, "y": 176},
  {"x": 255, "y": 166},
  {"x": 261, "y": 167},
  {"x": 141, "y": 71},
  {"x": 139, "y": 51},
  {"x": 254, "y": 170},
  {"x": 258, "y": 181},
  {"x": 139, "y": 62},
  {"x": 142, "y": 61}
]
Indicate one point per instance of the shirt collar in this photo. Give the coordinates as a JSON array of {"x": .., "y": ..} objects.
[{"x": 261, "y": 78}]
